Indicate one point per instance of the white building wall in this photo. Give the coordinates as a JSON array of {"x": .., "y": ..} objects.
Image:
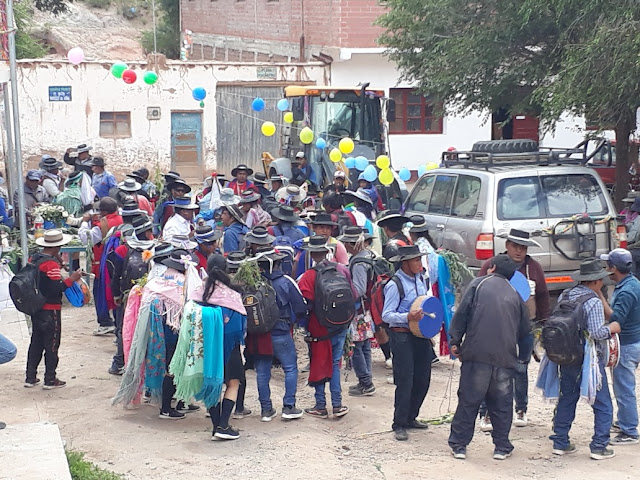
[
  {"x": 410, "y": 151},
  {"x": 52, "y": 127}
]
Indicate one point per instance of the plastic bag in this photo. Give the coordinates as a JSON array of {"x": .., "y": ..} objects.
[{"x": 5, "y": 277}]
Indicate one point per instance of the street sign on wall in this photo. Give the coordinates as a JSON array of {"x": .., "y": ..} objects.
[{"x": 60, "y": 94}]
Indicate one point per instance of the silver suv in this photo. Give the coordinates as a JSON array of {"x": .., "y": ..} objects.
[{"x": 475, "y": 200}]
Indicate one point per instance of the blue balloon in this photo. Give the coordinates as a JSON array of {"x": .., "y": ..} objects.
[
  {"x": 370, "y": 173},
  {"x": 283, "y": 105},
  {"x": 257, "y": 104},
  {"x": 199, "y": 94},
  {"x": 350, "y": 162},
  {"x": 361, "y": 163},
  {"x": 404, "y": 174},
  {"x": 321, "y": 143},
  {"x": 422, "y": 169}
]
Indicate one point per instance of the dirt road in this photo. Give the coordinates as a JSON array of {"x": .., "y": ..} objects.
[{"x": 140, "y": 446}]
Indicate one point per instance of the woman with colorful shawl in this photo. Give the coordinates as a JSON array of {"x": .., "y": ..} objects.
[{"x": 222, "y": 303}]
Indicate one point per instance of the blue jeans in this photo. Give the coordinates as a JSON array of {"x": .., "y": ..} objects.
[
  {"x": 8, "y": 350},
  {"x": 624, "y": 386},
  {"x": 570, "y": 378},
  {"x": 361, "y": 362},
  {"x": 337, "y": 347},
  {"x": 284, "y": 350}
]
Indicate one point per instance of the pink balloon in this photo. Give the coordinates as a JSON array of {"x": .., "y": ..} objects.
[{"x": 75, "y": 55}]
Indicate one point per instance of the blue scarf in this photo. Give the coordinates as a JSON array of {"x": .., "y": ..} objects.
[
  {"x": 156, "y": 362},
  {"x": 103, "y": 279},
  {"x": 214, "y": 360},
  {"x": 235, "y": 324}
]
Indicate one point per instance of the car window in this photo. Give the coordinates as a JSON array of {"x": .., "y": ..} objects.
[
  {"x": 518, "y": 198},
  {"x": 465, "y": 201},
  {"x": 568, "y": 195},
  {"x": 442, "y": 195},
  {"x": 421, "y": 194}
]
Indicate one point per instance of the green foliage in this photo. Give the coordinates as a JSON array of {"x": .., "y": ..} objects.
[
  {"x": 82, "y": 470},
  {"x": 167, "y": 31},
  {"x": 26, "y": 45},
  {"x": 248, "y": 274},
  {"x": 101, "y": 4}
]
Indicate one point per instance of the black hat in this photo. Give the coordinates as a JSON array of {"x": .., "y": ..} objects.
[
  {"x": 137, "y": 176},
  {"x": 268, "y": 254},
  {"x": 74, "y": 175},
  {"x": 419, "y": 224},
  {"x": 259, "y": 235},
  {"x": 391, "y": 215},
  {"x": 407, "y": 252},
  {"x": 260, "y": 178},
  {"x": 244, "y": 168},
  {"x": 249, "y": 196},
  {"x": 171, "y": 176},
  {"x": 590, "y": 269},
  {"x": 82, "y": 148},
  {"x": 130, "y": 209},
  {"x": 354, "y": 234},
  {"x": 207, "y": 234},
  {"x": 96, "y": 162},
  {"x": 284, "y": 213},
  {"x": 141, "y": 224},
  {"x": 161, "y": 251},
  {"x": 184, "y": 203},
  {"x": 316, "y": 243},
  {"x": 47, "y": 162},
  {"x": 178, "y": 182},
  {"x": 323, "y": 219},
  {"x": 521, "y": 238},
  {"x": 234, "y": 260},
  {"x": 178, "y": 258}
]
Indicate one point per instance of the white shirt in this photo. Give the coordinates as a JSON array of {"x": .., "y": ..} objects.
[
  {"x": 176, "y": 225},
  {"x": 51, "y": 184},
  {"x": 86, "y": 231}
]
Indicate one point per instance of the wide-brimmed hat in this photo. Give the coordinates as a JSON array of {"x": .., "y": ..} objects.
[
  {"x": 171, "y": 176},
  {"x": 285, "y": 213},
  {"x": 636, "y": 205},
  {"x": 207, "y": 234},
  {"x": 178, "y": 182},
  {"x": 136, "y": 176},
  {"x": 129, "y": 185},
  {"x": 184, "y": 203},
  {"x": 407, "y": 252},
  {"x": 268, "y": 254},
  {"x": 259, "y": 178},
  {"x": 290, "y": 194},
  {"x": 47, "y": 162},
  {"x": 249, "y": 196},
  {"x": 631, "y": 196},
  {"x": 130, "y": 208},
  {"x": 360, "y": 194},
  {"x": 183, "y": 242},
  {"x": 178, "y": 259},
  {"x": 227, "y": 197},
  {"x": 234, "y": 260},
  {"x": 259, "y": 236},
  {"x": 354, "y": 234},
  {"x": 521, "y": 238},
  {"x": 276, "y": 178},
  {"x": 316, "y": 243},
  {"x": 83, "y": 147},
  {"x": 141, "y": 224},
  {"x": 235, "y": 212},
  {"x": 241, "y": 167},
  {"x": 419, "y": 224},
  {"x": 162, "y": 250},
  {"x": 391, "y": 215},
  {"x": 53, "y": 238},
  {"x": 96, "y": 162},
  {"x": 323, "y": 219},
  {"x": 590, "y": 269}
]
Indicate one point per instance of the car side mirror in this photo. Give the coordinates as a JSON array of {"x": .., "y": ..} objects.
[
  {"x": 297, "y": 108},
  {"x": 391, "y": 110}
]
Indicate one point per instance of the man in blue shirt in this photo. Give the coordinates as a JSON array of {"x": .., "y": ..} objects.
[
  {"x": 411, "y": 355},
  {"x": 625, "y": 309},
  {"x": 234, "y": 228},
  {"x": 102, "y": 181}
]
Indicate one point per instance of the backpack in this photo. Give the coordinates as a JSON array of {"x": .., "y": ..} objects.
[
  {"x": 133, "y": 268},
  {"x": 380, "y": 271},
  {"x": 377, "y": 294},
  {"x": 284, "y": 245},
  {"x": 334, "y": 304},
  {"x": 24, "y": 288},
  {"x": 262, "y": 309},
  {"x": 563, "y": 333}
]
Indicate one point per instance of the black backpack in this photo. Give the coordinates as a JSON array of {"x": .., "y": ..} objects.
[
  {"x": 563, "y": 333},
  {"x": 133, "y": 268},
  {"x": 24, "y": 288},
  {"x": 334, "y": 304},
  {"x": 262, "y": 309}
]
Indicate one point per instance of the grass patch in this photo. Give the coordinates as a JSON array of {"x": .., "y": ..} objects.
[
  {"x": 83, "y": 470},
  {"x": 101, "y": 4}
]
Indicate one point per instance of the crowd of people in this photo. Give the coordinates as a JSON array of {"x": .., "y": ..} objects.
[{"x": 184, "y": 281}]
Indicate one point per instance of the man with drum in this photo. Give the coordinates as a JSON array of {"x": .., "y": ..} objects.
[{"x": 412, "y": 355}]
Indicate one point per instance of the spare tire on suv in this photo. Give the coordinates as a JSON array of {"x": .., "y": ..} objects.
[{"x": 506, "y": 146}]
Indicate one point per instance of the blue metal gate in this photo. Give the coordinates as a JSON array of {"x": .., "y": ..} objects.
[{"x": 186, "y": 145}]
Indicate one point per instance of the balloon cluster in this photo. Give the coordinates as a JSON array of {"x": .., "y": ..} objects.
[
  {"x": 199, "y": 94},
  {"x": 422, "y": 169},
  {"x": 121, "y": 70}
]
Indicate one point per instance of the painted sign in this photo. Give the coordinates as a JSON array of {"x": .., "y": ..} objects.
[{"x": 60, "y": 94}]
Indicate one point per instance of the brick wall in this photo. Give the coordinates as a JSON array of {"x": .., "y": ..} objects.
[{"x": 325, "y": 23}]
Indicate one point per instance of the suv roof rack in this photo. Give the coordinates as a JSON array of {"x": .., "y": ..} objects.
[{"x": 487, "y": 160}]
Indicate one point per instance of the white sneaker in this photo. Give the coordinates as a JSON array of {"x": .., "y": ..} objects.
[
  {"x": 388, "y": 363},
  {"x": 104, "y": 331},
  {"x": 520, "y": 420},
  {"x": 485, "y": 424},
  {"x": 390, "y": 380}
]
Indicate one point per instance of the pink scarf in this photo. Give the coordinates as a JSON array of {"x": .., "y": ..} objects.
[{"x": 222, "y": 296}]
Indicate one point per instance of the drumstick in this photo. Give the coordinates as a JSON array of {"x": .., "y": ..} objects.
[{"x": 432, "y": 315}]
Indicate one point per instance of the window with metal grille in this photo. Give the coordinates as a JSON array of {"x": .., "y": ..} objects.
[
  {"x": 415, "y": 113},
  {"x": 115, "y": 124}
]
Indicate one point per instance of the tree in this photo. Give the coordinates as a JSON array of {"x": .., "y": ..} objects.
[
  {"x": 543, "y": 57},
  {"x": 167, "y": 31}
]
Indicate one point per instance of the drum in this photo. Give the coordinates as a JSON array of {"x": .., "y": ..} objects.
[
  {"x": 431, "y": 322},
  {"x": 612, "y": 353}
]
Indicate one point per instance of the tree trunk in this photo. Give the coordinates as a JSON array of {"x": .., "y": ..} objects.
[{"x": 623, "y": 129}]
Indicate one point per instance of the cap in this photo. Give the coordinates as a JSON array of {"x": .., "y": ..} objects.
[
  {"x": 339, "y": 174},
  {"x": 300, "y": 155},
  {"x": 34, "y": 175},
  {"x": 618, "y": 257}
]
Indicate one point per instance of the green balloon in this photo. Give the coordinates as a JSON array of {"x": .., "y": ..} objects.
[
  {"x": 118, "y": 68},
  {"x": 150, "y": 78},
  {"x": 201, "y": 104}
]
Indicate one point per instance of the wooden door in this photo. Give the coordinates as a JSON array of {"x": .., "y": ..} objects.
[{"x": 186, "y": 146}]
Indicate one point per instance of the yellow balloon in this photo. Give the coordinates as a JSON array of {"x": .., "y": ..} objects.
[
  {"x": 306, "y": 135},
  {"x": 432, "y": 165},
  {"x": 268, "y": 129},
  {"x": 383, "y": 162},
  {"x": 288, "y": 117},
  {"x": 346, "y": 145},
  {"x": 335, "y": 155},
  {"x": 386, "y": 176}
]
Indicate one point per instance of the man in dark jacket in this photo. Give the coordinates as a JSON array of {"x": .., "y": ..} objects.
[
  {"x": 485, "y": 330},
  {"x": 292, "y": 308}
]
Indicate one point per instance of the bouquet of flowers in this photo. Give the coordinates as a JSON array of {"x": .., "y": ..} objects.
[{"x": 52, "y": 213}]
